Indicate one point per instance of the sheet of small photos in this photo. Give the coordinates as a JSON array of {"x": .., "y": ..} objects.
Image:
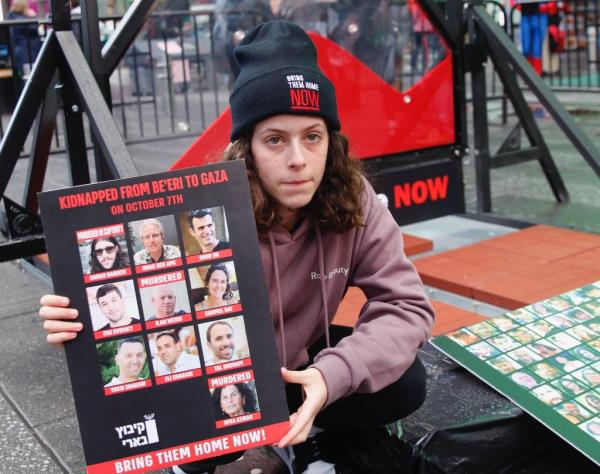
[{"x": 545, "y": 357}]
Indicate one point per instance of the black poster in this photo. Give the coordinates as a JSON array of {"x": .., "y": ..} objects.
[{"x": 177, "y": 359}]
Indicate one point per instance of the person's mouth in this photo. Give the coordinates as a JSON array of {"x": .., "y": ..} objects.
[{"x": 296, "y": 182}]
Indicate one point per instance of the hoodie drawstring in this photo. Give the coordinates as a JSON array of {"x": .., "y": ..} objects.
[
  {"x": 321, "y": 262},
  {"x": 278, "y": 288},
  {"x": 322, "y": 281}
]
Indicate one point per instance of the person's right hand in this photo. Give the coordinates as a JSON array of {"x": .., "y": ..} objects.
[{"x": 58, "y": 319}]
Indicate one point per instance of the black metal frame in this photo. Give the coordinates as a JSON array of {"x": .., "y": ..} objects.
[
  {"x": 62, "y": 72},
  {"x": 487, "y": 38},
  {"x": 63, "y": 75}
]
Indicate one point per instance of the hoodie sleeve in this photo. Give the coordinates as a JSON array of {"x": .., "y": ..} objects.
[{"x": 395, "y": 321}]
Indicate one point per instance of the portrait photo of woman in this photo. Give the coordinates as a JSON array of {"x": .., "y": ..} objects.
[
  {"x": 216, "y": 286},
  {"x": 234, "y": 400}
]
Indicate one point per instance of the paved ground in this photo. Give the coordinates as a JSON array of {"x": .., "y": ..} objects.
[{"x": 39, "y": 430}]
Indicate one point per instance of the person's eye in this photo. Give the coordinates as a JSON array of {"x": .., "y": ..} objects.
[
  {"x": 313, "y": 137},
  {"x": 275, "y": 140}
]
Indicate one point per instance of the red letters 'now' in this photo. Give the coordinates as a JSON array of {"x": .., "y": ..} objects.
[
  {"x": 304, "y": 99},
  {"x": 420, "y": 191}
]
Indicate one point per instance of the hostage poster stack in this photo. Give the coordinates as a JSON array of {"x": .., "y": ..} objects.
[
  {"x": 545, "y": 357},
  {"x": 177, "y": 359}
]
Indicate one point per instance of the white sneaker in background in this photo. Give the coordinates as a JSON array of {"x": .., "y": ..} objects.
[
  {"x": 320, "y": 467},
  {"x": 307, "y": 457}
]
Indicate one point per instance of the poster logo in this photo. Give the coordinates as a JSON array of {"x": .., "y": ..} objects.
[
  {"x": 304, "y": 95},
  {"x": 139, "y": 434}
]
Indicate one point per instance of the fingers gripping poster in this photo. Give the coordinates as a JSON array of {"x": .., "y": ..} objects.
[{"x": 177, "y": 360}]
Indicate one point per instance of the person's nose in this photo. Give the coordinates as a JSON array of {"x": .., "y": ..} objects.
[{"x": 296, "y": 157}]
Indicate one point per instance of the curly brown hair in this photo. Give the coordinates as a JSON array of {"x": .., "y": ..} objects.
[{"x": 336, "y": 206}]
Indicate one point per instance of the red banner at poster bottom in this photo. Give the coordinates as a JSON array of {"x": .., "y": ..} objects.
[{"x": 195, "y": 451}]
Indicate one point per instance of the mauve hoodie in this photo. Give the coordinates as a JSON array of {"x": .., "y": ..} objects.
[{"x": 312, "y": 272}]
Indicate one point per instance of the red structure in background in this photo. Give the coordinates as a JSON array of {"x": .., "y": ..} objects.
[{"x": 378, "y": 119}]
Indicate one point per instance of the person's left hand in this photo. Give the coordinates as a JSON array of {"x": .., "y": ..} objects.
[{"x": 315, "y": 390}]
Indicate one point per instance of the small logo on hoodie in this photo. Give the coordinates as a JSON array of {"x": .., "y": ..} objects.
[
  {"x": 304, "y": 95},
  {"x": 329, "y": 275}
]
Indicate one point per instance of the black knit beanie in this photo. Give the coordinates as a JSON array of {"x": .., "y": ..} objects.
[{"x": 279, "y": 75}]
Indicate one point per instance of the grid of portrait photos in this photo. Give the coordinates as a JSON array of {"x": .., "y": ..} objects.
[
  {"x": 165, "y": 306},
  {"x": 550, "y": 349}
]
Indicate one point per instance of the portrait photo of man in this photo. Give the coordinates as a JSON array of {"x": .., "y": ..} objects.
[
  {"x": 205, "y": 234},
  {"x": 171, "y": 356},
  {"x": 165, "y": 301},
  {"x": 208, "y": 233},
  {"x": 151, "y": 237},
  {"x": 224, "y": 340},
  {"x": 113, "y": 305},
  {"x": 123, "y": 361}
]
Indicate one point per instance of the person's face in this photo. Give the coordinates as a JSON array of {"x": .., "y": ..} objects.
[
  {"x": 290, "y": 153},
  {"x": 168, "y": 350},
  {"x": 504, "y": 324},
  {"x": 581, "y": 332},
  {"x": 593, "y": 401},
  {"x": 546, "y": 371},
  {"x": 106, "y": 253},
  {"x": 572, "y": 409},
  {"x": 112, "y": 306},
  {"x": 544, "y": 351},
  {"x": 525, "y": 357},
  {"x": 570, "y": 386},
  {"x": 504, "y": 366},
  {"x": 594, "y": 293},
  {"x": 560, "y": 304},
  {"x": 203, "y": 230},
  {"x": 217, "y": 284},
  {"x": 221, "y": 341},
  {"x": 586, "y": 354},
  {"x": 592, "y": 377},
  {"x": 275, "y": 6},
  {"x": 483, "y": 351},
  {"x": 549, "y": 395},
  {"x": 232, "y": 402},
  {"x": 164, "y": 300},
  {"x": 523, "y": 336},
  {"x": 594, "y": 428},
  {"x": 130, "y": 359},
  {"x": 152, "y": 238},
  {"x": 525, "y": 380}
]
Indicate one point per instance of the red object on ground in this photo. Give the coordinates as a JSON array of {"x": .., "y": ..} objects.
[
  {"x": 447, "y": 317},
  {"x": 349, "y": 308},
  {"x": 516, "y": 269},
  {"x": 377, "y": 118}
]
